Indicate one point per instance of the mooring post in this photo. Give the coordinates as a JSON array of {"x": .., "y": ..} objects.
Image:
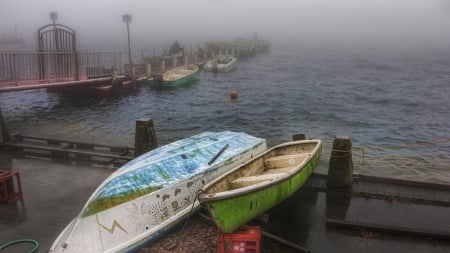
[
  {"x": 133, "y": 72},
  {"x": 145, "y": 137},
  {"x": 4, "y": 134},
  {"x": 163, "y": 66},
  {"x": 174, "y": 61},
  {"x": 149, "y": 70},
  {"x": 298, "y": 137},
  {"x": 340, "y": 170}
]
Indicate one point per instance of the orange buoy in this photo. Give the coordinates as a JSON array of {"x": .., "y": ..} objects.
[{"x": 233, "y": 94}]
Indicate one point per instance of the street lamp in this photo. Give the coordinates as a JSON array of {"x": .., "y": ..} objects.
[
  {"x": 53, "y": 17},
  {"x": 127, "y": 18}
]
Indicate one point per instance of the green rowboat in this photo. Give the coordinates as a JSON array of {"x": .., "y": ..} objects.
[
  {"x": 254, "y": 187},
  {"x": 175, "y": 77}
]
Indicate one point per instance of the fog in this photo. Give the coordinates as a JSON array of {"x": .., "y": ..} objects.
[{"x": 156, "y": 24}]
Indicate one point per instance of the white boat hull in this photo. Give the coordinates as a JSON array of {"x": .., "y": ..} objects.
[{"x": 130, "y": 225}]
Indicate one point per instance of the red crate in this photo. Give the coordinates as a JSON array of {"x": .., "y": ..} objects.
[
  {"x": 243, "y": 240},
  {"x": 10, "y": 191}
]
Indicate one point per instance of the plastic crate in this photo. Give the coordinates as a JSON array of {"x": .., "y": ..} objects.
[
  {"x": 9, "y": 190},
  {"x": 243, "y": 240}
]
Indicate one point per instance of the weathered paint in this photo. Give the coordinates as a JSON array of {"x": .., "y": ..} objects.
[
  {"x": 242, "y": 205},
  {"x": 174, "y": 173}
]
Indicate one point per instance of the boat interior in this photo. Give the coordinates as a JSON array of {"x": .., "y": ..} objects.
[{"x": 274, "y": 164}]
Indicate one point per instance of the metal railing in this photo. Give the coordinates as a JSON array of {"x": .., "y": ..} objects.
[{"x": 29, "y": 65}]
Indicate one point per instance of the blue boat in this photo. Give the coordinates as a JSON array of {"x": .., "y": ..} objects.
[{"x": 151, "y": 194}]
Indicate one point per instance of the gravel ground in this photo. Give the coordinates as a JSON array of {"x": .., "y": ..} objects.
[{"x": 198, "y": 235}]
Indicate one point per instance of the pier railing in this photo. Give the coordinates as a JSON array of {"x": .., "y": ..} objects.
[{"x": 28, "y": 65}]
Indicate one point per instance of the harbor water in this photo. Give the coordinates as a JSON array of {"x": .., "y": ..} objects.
[{"x": 394, "y": 105}]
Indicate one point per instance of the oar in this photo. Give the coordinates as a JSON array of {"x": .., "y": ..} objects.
[{"x": 218, "y": 154}]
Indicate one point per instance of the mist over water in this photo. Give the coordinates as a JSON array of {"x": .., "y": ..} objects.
[
  {"x": 375, "y": 70},
  {"x": 394, "y": 106}
]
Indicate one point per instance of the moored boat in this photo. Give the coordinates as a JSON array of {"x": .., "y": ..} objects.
[
  {"x": 151, "y": 194},
  {"x": 254, "y": 187},
  {"x": 221, "y": 63},
  {"x": 175, "y": 77}
]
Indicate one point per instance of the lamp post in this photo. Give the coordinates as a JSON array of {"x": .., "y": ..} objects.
[
  {"x": 127, "y": 18},
  {"x": 53, "y": 17}
]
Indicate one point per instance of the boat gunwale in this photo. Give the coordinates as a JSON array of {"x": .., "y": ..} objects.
[{"x": 204, "y": 197}]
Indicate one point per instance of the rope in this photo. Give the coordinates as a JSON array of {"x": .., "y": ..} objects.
[
  {"x": 36, "y": 244},
  {"x": 346, "y": 153},
  {"x": 414, "y": 145},
  {"x": 192, "y": 208}
]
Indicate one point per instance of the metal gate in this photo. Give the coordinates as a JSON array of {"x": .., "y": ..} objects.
[{"x": 58, "y": 58}]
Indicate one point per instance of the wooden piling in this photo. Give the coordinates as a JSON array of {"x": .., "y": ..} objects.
[
  {"x": 174, "y": 61},
  {"x": 298, "y": 137},
  {"x": 4, "y": 134},
  {"x": 340, "y": 170},
  {"x": 163, "y": 66},
  {"x": 149, "y": 70},
  {"x": 145, "y": 137}
]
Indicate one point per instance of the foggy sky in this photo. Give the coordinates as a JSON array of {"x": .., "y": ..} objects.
[{"x": 422, "y": 23}]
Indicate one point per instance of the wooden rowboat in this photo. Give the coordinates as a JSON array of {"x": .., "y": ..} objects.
[
  {"x": 221, "y": 63},
  {"x": 175, "y": 77},
  {"x": 151, "y": 194},
  {"x": 254, "y": 187}
]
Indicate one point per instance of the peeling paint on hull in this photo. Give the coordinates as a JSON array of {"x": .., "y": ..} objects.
[{"x": 176, "y": 171}]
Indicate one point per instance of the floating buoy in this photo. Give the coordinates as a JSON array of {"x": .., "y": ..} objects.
[{"x": 233, "y": 94}]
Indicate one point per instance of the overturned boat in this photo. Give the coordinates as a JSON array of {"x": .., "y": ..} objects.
[{"x": 149, "y": 195}]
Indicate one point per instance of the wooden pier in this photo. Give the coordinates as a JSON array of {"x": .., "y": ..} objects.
[{"x": 67, "y": 150}]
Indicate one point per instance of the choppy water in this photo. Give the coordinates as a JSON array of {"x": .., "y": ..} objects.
[{"x": 395, "y": 106}]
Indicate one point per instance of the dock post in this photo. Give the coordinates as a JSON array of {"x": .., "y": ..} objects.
[
  {"x": 4, "y": 134},
  {"x": 149, "y": 70},
  {"x": 163, "y": 66},
  {"x": 113, "y": 76},
  {"x": 340, "y": 170},
  {"x": 298, "y": 137},
  {"x": 174, "y": 61},
  {"x": 133, "y": 72},
  {"x": 145, "y": 137}
]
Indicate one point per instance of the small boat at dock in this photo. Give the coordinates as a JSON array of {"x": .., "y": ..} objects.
[
  {"x": 175, "y": 77},
  {"x": 221, "y": 63},
  {"x": 150, "y": 195},
  {"x": 254, "y": 187}
]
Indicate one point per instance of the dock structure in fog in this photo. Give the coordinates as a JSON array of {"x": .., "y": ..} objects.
[{"x": 59, "y": 65}]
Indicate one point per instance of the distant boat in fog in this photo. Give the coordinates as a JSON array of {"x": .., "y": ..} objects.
[{"x": 221, "y": 63}]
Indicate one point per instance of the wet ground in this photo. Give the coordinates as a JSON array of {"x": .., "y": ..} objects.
[{"x": 55, "y": 192}]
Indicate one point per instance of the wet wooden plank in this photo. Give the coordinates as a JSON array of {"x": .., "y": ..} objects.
[
  {"x": 391, "y": 229},
  {"x": 67, "y": 150}
]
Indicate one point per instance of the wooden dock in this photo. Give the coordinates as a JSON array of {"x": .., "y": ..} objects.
[{"x": 95, "y": 154}]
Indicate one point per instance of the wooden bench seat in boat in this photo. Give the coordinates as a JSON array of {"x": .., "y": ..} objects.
[
  {"x": 278, "y": 170},
  {"x": 251, "y": 180},
  {"x": 284, "y": 160}
]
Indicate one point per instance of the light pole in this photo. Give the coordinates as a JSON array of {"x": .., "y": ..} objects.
[
  {"x": 53, "y": 17},
  {"x": 127, "y": 18}
]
